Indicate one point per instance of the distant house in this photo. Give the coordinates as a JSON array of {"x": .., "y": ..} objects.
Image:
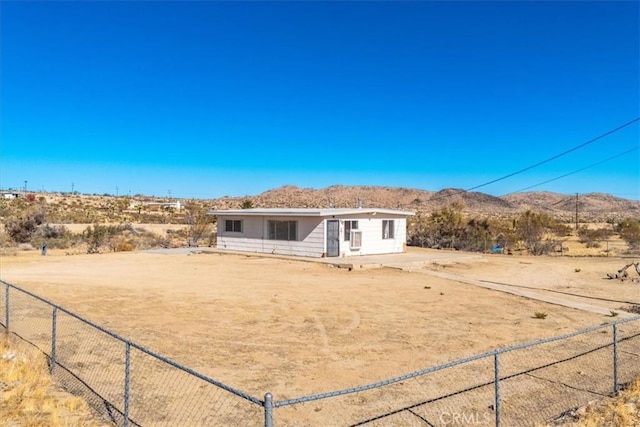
[
  {"x": 313, "y": 232},
  {"x": 158, "y": 205},
  {"x": 10, "y": 195}
]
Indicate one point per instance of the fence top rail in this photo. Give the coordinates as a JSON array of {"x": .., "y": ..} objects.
[
  {"x": 139, "y": 347},
  {"x": 464, "y": 360},
  {"x": 384, "y": 382},
  {"x": 567, "y": 335}
]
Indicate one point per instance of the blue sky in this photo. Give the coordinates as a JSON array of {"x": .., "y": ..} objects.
[{"x": 206, "y": 99}]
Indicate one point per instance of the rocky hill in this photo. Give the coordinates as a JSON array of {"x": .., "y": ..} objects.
[
  {"x": 79, "y": 208},
  {"x": 592, "y": 207}
]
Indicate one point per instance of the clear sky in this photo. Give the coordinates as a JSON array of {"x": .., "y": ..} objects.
[{"x": 206, "y": 99}]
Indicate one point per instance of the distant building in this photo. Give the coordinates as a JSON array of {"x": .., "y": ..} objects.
[
  {"x": 175, "y": 205},
  {"x": 10, "y": 195},
  {"x": 313, "y": 232}
]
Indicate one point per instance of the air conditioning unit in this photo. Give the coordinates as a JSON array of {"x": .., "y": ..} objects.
[{"x": 355, "y": 241}]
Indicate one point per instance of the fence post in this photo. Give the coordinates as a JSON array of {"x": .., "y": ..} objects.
[
  {"x": 54, "y": 322},
  {"x": 496, "y": 370},
  {"x": 268, "y": 410},
  {"x": 127, "y": 368},
  {"x": 615, "y": 357},
  {"x": 6, "y": 307}
]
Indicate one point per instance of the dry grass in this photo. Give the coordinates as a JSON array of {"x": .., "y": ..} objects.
[
  {"x": 28, "y": 396},
  {"x": 621, "y": 411}
]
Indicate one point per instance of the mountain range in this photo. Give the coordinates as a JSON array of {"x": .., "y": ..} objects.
[{"x": 591, "y": 207}]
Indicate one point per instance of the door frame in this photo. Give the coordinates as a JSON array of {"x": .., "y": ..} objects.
[{"x": 337, "y": 254}]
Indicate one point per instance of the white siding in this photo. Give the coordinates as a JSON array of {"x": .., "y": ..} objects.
[
  {"x": 312, "y": 235},
  {"x": 255, "y": 233},
  {"x": 372, "y": 241}
]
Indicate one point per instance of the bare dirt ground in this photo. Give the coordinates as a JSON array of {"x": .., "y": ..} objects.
[
  {"x": 297, "y": 328},
  {"x": 577, "y": 279}
]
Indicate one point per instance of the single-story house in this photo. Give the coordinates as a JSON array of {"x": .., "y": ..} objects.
[{"x": 313, "y": 232}]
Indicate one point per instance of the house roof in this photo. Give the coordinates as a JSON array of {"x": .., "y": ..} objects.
[{"x": 308, "y": 212}]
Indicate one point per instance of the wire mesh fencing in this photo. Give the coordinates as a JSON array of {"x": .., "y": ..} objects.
[
  {"x": 427, "y": 397},
  {"x": 524, "y": 385},
  {"x": 126, "y": 383},
  {"x": 527, "y": 384},
  {"x": 538, "y": 383}
]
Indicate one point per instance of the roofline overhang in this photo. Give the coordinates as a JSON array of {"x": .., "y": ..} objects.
[{"x": 310, "y": 212}]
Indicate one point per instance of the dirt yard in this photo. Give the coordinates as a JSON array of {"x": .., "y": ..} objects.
[{"x": 297, "y": 328}]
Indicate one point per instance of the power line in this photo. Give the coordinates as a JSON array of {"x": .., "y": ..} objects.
[
  {"x": 591, "y": 141},
  {"x": 576, "y": 171}
]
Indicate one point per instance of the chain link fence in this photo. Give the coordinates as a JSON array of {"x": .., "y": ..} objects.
[
  {"x": 124, "y": 382},
  {"x": 523, "y": 385}
]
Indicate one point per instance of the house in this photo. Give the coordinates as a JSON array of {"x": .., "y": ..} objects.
[
  {"x": 313, "y": 232},
  {"x": 10, "y": 195},
  {"x": 157, "y": 205}
]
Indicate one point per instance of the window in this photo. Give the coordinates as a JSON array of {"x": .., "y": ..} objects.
[
  {"x": 348, "y": 226},
  {"x": 283, "y": 230},
  {"x": 387, "y": 229},
  {"x": 233, "y": 225}
]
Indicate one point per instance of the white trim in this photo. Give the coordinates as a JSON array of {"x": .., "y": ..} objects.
[{"x": 309, "y": 212}]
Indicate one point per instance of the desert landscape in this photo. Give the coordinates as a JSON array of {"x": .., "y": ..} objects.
[{"x": 297, "y": 327}]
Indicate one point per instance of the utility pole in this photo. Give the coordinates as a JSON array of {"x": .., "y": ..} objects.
[
  {"x": 72, "y": 185},
  {"x": 116, "y": 191},
  {"x": 576, "y": 212},
  {"x": 25, "y": 185}
]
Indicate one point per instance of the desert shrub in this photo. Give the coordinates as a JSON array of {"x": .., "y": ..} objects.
[
  {"x": 199, "y": 223},
  {"x": 99, "y": 236},
  {"x": 122, "y": 244},
  {"x": 147, "y": 240},
  {"x": 22, "y": 229},
  {"x": 151, "y": 218},
  {"x": 78, "y": 214},
  {"x": 533, "y": 228},
  {"x": 448, "y": 228},
  {"x": 121, "y": 238},
  {"x": 5, "y": 240},
  {"x": 52, "y": 232},
  {"x": 591, "y": 238},
  {"x": 5, "y": 208},
  {"x": 418, "y": 231},
  {"x": 629, "y": 230},
  {"x": 444, "y": 227},
  {"x": 477, "y": 235},
  {"x": 55, "y": 237},
  {"x": 181, "y": 233},
  {"x": 561, "y": 229}
]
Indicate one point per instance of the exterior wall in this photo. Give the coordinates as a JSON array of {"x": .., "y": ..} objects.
[
  {"x": 254, "y": 236},
  {"x": 372, "y": 241},
  {"x": 311, "y": 236}
]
